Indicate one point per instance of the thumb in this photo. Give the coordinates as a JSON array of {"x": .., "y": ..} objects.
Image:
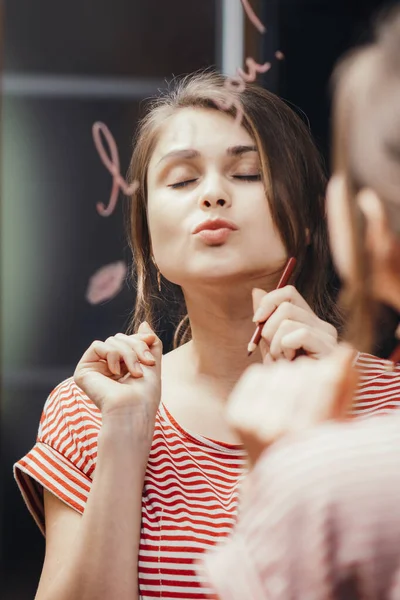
[
  {"x": 257, "y": 295},
  {"x": 145, "y": 328},
  {"x": 156, "y": 345}
]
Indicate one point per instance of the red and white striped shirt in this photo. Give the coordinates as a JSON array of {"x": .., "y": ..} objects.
[
  {"x": 190, "y": 491},
  {"x": 191, "y": 486}
]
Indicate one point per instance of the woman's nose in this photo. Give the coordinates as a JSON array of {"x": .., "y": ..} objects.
[
  {"x": 215, "y": 196},
  {"x": 208, "y": 202}
]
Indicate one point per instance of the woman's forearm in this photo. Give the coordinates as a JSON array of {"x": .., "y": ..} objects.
[{"x": 102, "y": 562}]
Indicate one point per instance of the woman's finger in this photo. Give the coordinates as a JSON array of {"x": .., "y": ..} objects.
[
  {"x": 139, "y": 346},
  {"x": 127, "y": 357},
  {"x": 287, "y": 312},
  {"x": 101, "y": 351},
  {"x": 271, "y": 300},
  {"x": 317, "y": 344},
  {"x": 155, "y": 344},
  {"x": 287, "y": 296}
]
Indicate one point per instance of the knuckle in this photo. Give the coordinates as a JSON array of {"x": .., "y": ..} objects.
[
  {"x": 303, "y": 333},
  {"x": 137, "y": 336},
  {"x": 287, "y": 324},
  {"x": 329, "y": 328},
  {"x": 283, "y": 311},
  {"x": 137, "y": 342},
  {"x": 291, "y": 291},
  {"x": 120, "y": 336},
  {"x": 286, "y": 308}
]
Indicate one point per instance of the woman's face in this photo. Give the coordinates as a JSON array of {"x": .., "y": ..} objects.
[{"x": 208, "y": 214}]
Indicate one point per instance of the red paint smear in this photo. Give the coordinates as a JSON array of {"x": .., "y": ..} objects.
[
  {"x": 106, "y": 283},
  {"x": 253, "y": 17},
  {"x": 112, "y": 165}
]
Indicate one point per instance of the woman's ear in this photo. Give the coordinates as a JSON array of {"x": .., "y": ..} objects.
[{"x": 340, "y": 227}]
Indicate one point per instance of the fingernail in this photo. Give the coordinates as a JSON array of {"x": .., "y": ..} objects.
[
  {"x": 258, "y": 315},
  {"x": 138, "y": 367},
  {"x": 148, "y": 355}
]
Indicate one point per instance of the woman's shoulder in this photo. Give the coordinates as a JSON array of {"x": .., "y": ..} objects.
[
  {"x": 69, "y": 397},
  {"x": 66, "y": 411}
]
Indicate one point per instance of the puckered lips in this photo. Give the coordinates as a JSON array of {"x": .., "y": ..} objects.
[{"x": 215, "y": 232}]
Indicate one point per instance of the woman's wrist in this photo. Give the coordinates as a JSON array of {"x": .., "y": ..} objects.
[{"x": 135, "y": 425}]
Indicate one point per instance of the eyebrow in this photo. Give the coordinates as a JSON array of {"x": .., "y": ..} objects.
[
  {"x": 239, "y": 150},
  {"x": 189, "y": 153}
]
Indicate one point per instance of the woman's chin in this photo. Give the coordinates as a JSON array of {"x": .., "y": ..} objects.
[{"x": 213, "y": 274}]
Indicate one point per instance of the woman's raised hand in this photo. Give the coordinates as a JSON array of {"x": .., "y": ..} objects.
[
  {"x": 283, "y": 398},
  {"x": 290, "y": 326},
  {"x": 123, "y": 373}
]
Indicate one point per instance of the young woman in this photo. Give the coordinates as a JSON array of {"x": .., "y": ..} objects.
[
  {"x": 321, "y": 517},
  {"x": 136, "y": 470}
]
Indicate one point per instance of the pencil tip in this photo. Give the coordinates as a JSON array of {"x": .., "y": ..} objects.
[{"x": 250, "y": 348}]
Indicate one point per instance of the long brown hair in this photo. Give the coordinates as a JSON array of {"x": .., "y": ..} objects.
[
  {"x": 366, "y": 150},
  {"x": 291, "y": 167}
]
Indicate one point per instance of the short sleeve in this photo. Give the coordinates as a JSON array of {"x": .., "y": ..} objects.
[{"x": 64, "y": 456}]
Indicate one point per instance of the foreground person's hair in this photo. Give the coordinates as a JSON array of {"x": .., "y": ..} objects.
[{"x": 366, "y": 150}]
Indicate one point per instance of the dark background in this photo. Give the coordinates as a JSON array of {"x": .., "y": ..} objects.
[{"x": 52, "y": 238}]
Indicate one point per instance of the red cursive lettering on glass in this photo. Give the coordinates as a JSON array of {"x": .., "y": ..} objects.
[{"x": 112, "y": 165}]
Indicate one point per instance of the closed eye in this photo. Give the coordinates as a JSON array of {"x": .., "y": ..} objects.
[
  {"x": 248, "y": 177},
  {"x": 181, "y": 184}
]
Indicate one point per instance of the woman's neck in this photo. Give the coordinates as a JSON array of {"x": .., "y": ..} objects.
[{"x": 221, "y": 324}]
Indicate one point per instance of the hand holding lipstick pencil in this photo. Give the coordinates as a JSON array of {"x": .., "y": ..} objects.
[
  {"x": 286, "y": 275},
  {"x": 286, "y": 324}
]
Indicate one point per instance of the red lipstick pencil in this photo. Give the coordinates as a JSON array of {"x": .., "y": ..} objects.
[{"x": 255, "y": 340}]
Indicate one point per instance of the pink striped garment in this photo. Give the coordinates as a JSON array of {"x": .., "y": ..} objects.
[{"x": 320, "y": 519}]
